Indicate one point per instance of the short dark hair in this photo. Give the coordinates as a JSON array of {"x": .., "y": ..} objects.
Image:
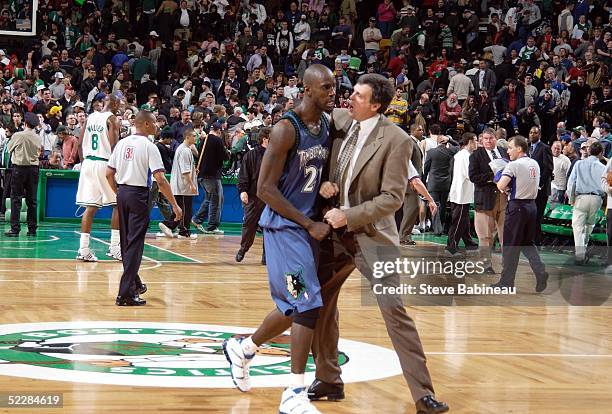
[
  {"x": 520, "y": 141},
  {"x": 435, "y": 129},
  {"x": 263, "y": 133},
  {"x": 596, "y": 148},
  {"x": 382, "y": 90},
  {"x": 188, "y": 131},
  {"x": 467, "y": 137}
]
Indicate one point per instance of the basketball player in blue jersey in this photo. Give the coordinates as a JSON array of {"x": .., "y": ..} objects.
[{"x": 288, "y": 183}]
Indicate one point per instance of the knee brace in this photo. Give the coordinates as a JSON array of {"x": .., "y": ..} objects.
[{"x": 308, "y": 318}]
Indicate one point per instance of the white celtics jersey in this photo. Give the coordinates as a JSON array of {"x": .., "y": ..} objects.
[{"x": 96, "y": 143}]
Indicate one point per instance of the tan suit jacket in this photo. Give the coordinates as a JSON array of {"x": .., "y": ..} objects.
[
  {"x": 376, "y": 192},
  {"x": 379, "y": 178}
]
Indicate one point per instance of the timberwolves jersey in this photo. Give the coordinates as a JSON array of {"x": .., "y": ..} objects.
[
  {"x": 301, "y": 177},
  {"x": 95, "y": 141}
]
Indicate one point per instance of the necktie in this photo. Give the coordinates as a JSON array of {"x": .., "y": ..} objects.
[
  {"x": 346, "y": 155},
  {"x": 494, "y": 155}
]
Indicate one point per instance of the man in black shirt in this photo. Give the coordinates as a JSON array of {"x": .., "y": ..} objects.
[
  {"x": 212, "y": 155},
  {"x": 164, "y": 146},
  {"x": 247, "y": 187}
]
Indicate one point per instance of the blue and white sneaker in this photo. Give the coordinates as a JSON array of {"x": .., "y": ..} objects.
[
  {"x": 295, "y": 401},
  {"x": 86, "y": 255},
  {"x": 239, "y": 363}
]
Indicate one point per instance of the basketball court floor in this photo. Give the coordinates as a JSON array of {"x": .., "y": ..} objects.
[{"x": 61, "y": 335}]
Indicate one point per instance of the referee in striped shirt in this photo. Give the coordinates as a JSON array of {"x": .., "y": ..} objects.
[{"x": 520, "y": 179}]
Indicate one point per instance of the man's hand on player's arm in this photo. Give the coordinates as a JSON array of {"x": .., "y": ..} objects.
[{"x": 328, "y": 189}]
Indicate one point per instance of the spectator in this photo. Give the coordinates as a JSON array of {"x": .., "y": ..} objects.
[
  {"x": 461, "y": 195},
  {"x": 69, "y": 145},
  {"x": 247, "y": 188},
  {"x": 489, "y": 202},
  {"x": 386, "y": 15},
  {"x": 542, "y": 154},
  {"x": 437, "y": 174},
  {"x": 24, "y": 147},
  {"x": 584, "y": 190},
  {"x": 213, "y": 154},
  {"x": 461, "y": 85},
  {"x": 561, "y": 165},
  {"x": 184, "y": 187},
  {"x": 450, "y": 111}
]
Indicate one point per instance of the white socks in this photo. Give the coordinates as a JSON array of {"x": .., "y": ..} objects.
[
  {"x": 84, "y": 243},
  {"x": 296, "y": 381},
  {"x": 248, "y": 346},
  {"x": 114, "y": 242}
]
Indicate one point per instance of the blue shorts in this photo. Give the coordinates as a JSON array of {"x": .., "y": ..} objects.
[{"x": 292, "y": 259}]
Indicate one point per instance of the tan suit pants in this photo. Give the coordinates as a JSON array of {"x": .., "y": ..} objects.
[
  {"x": 489, "y": 222},
  {"x": 339, "y": 257}
]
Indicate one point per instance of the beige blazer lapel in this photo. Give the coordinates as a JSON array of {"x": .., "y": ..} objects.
[{"x": 371, "y": 145}]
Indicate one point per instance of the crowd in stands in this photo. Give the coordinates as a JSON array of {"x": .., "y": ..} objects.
[{"x": 457, "y": 66}]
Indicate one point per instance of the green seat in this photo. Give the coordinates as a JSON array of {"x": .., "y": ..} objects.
[{"x": 600, "y": 238}]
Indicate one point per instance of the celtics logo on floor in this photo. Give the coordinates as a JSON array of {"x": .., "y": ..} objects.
[{"x": 162, "y": 355}]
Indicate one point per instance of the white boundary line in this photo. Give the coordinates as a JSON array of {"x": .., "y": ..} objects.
[
  {"x": 173, "y": 282},
  {"x": 519, "y": 354},
  {"x": 16, "y": 240},
  {"x": 157, "y": 247},
  {"x": 157, "y": 263},
  {"x": 175, "y": 253}
]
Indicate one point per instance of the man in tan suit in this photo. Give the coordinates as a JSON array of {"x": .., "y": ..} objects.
[{"x": 368, "y": 175}]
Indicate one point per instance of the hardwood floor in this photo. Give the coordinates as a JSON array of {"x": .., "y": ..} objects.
[{"x": 483, "y": 359}]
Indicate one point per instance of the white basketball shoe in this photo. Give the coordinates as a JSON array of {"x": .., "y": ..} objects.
[
  {"x": 114, "y": 252},
  {"x": 239, "y": 363},
  {"x": 86, "y": 255},
  {"x": 295, "y": 401}
]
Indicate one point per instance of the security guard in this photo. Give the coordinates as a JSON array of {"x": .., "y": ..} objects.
[
  {"x": 24, "y": 148},
  {"x": 520, "y": 179},
  {"x": 128, "y": 174}
]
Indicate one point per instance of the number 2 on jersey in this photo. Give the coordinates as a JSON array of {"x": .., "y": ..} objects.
[{"x": 311, "y": 174}]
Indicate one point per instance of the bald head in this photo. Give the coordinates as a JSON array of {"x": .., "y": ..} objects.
[
  {"x": 315, "y": 74},
  {"x": 145, "y": 123},
  {"x": 143, "y": 117},
  {"x": 113, "y": 101}
]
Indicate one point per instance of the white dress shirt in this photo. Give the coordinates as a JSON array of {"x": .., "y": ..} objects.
[
  {"x": 184, "y": 21},
  {"x": 496, "y": 153},
  {"x": 462, "y": 189},
  {"x": 367, "y": 127}
]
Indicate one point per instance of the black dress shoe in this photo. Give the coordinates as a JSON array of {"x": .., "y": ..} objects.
[
  {"x": 129, "y": 301},
  {"x": 471, "y": 247},
  {"x": 142, "y": 289},
  {"x": 429, "y": 405},
  {"x": 239, "y": 256},
  {"x": 541, "y": 282},
  {"x": 319, "y": 390},
  {"x": 11, "y": 233}
]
